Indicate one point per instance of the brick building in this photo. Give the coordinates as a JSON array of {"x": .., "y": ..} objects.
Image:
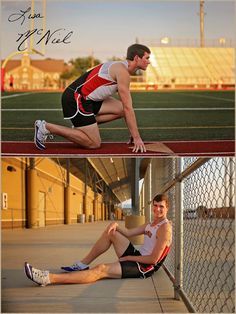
[{"x": 28, "y": 74}]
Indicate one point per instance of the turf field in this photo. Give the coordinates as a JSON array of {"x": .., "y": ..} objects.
[{"x": 180, "y": 115}]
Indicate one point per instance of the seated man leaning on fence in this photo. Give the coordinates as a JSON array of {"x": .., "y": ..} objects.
[{"x": 132, "y": 263}]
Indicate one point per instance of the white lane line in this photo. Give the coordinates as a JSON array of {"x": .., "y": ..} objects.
[
  {"x": 209, "y": 97},
  {"x": 17, "y": 95},
  {"x": 135, "y": 109},
  {"x": 143, "y": 128}
]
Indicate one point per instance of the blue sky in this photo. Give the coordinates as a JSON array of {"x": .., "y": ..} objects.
[{"x": 107, "y": 28}]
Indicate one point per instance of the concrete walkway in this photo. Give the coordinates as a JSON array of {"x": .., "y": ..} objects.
[{"x": 54, "y": 246}]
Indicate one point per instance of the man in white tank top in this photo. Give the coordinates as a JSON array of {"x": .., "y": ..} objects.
[
  {"x": 87, "y": 102},
  {"x": 132, "y": 263}
]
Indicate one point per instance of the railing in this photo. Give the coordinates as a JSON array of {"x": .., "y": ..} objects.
[
  {"x": 202, "y": 260},
  {"x": 186, "y": 42}
]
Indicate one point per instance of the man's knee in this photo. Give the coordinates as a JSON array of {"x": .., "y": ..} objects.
[
  {"x": 95, "y": 144},
  {"x": 112, "y": 235},
  {"x": 111, "y": 270},
  {"x": 122, "y": 115},
  {"x": 120, "y": 109},
  {"x": 101, "y": 270}
]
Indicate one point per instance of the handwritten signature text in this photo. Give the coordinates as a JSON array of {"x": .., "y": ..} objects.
[
  {"x": 58, "y": 36},
  {"x": 22, "y": 16}
]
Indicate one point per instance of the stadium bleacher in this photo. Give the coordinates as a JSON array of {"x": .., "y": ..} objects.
[{"x": 189, "y": 67}]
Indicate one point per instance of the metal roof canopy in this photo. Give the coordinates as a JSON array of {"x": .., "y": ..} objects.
[{"x": 115, "y": 172}]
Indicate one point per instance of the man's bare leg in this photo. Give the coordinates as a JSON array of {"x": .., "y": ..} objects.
[
  {"x": 106, "y": 118},
  {"x": 119, "y": 242},
  {"x": 86, "y": 136},
  {"x": 44, "y": 278},
  {"x": 112, "y": 270},
  {"x": 89, "y": 136},
  {"x": 111, "y": 109}
]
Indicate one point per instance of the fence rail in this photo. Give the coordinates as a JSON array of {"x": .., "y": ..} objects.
[{"x": 187, "y": 42}]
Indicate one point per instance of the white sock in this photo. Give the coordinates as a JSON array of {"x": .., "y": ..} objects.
[
  {"x": 48, "y": 279},
  {"x": 81, "y": 265},
  {"x": 45, "y": 130}
]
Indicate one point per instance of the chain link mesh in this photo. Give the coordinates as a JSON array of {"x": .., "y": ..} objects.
[
  {"x": 208, "y": 235},
  {"x": 188, "y": 162},
  {"x": 208, "y": 276}
]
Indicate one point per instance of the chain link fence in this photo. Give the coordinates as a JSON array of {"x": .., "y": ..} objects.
[{"x": 202, "y": 259}]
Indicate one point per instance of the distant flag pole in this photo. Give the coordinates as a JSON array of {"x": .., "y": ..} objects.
[
  {"x": 32, "y": 26},
  {"x": 202, "y": 14}
]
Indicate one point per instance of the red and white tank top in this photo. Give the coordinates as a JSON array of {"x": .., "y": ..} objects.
[
  {"x": 150, "y": 240},
  {"x": 99, "y": 84}
]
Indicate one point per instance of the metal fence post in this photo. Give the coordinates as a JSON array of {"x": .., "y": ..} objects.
[
  {"x": 135, "y": 163},
  {"x": 178, "y": 232}
]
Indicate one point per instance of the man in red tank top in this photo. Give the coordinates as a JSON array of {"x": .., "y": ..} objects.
[
  {"x": 132, "y": 263},
  {"x": 87, "y": 102}
]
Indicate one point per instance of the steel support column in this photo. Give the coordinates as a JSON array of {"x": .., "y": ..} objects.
[
  {"x": 85, "y": 201},
  {"x": 135, "y": 164},
  {"x": 135, "y": 219},
  {"x": 32, "y": 192},
  {"x": 67, "y": 203}
]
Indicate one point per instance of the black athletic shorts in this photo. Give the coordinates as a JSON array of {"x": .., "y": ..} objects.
[
  {"x": 80, "y": 111},
  {"x": 135, "y": 269}
]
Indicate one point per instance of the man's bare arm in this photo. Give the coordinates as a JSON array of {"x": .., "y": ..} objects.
[
  {"x": 112, "y": 227},
  {"x": 123, "y": 82}
]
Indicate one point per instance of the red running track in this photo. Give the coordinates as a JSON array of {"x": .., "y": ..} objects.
[{"x": 66, "y": 149}]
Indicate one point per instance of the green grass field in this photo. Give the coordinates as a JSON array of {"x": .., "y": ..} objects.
[{"x": 180, "y": 115}]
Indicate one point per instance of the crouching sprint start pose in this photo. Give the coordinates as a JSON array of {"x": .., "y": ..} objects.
[
  {"x": 89, "y": 101},
  {"x": 132, "y": 263}
]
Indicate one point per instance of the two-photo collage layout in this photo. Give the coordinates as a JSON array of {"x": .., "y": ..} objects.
[{"x": 117, "y": 156}]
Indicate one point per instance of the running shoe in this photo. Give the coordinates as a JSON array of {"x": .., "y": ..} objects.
[
  {"x": 41, "y": 277},
  {"x": 75, "y": 267},
  {"x": 40, "y": 134}
]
